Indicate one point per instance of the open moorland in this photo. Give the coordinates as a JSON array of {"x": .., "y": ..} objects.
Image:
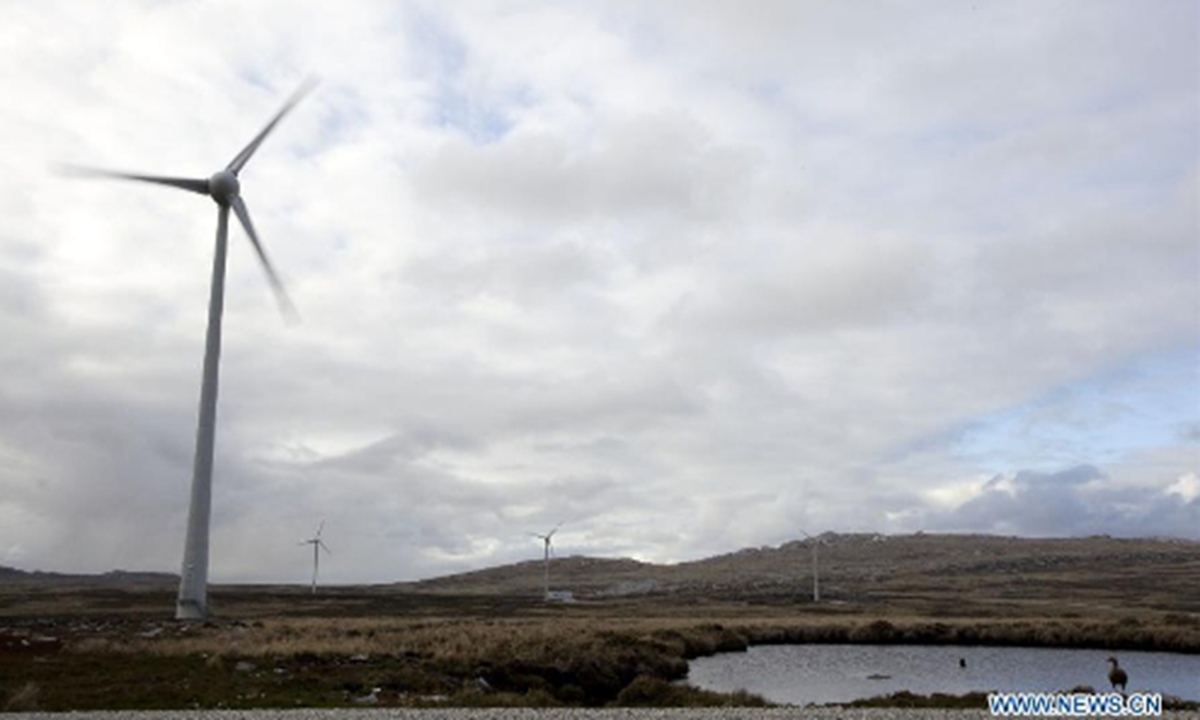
[{"x": 486, "y": 638}]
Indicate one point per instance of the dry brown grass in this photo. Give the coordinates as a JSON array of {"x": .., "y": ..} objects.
[
  {"x": 583, "y": 654},
  {"x": 119, "y": 650},
  {"x": 24, "y": 698},
  {"x": 477, "y": 640}
]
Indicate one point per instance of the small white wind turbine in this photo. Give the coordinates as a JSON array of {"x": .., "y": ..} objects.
[
  {"x": 318, "y": 545},
  {"x": 816, "y": 543},
  {"x": 547, "y": 552}
]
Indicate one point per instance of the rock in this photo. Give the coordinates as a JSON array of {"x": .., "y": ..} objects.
[{"x": 244, "y": 666}]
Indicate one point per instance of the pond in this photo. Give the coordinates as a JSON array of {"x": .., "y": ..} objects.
[{"x": 803, "y": 674}]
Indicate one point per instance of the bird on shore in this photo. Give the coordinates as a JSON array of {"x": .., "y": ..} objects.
[{"x": 1117, "y": 675}]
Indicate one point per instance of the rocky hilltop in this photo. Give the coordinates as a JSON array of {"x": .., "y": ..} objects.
[{"x": 865, "y": 568}]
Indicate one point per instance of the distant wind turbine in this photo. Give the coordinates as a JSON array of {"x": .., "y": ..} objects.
[
  {"x": 548, "y": 551},
  {"x": 816, "y": 542},
  {"x": 223, "y": 187},
  {"x": 317, "y": 544}
]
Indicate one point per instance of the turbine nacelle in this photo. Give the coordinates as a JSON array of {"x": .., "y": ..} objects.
[{"x": 223, "y": 186}]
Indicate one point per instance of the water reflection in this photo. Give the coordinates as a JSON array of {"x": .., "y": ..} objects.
[{"x": 802, "y": 674}]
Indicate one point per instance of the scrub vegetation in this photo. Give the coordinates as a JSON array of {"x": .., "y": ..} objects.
[{"x": 103, "y": 645}]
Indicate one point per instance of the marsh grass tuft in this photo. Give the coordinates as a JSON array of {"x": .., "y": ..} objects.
[
  {"x": 24, "y": 698},
  {"x": 649, "y": 691},
  {"x": 906, "y": 699}
]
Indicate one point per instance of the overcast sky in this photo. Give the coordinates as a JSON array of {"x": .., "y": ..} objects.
[{"x": 686, "y": 276}]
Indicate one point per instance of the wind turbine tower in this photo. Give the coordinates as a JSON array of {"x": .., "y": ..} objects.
[
  {"x": 317, "y": 544},
  {"x": 225, "y": 190},
  {"x": 547, "y": 552},
  {"x": 816, "y": 542}
]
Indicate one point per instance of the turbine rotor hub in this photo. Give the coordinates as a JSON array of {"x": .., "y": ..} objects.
[{"x": 223, "y": 186}]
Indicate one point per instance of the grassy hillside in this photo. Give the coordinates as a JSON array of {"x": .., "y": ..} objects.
[{"x": 940, "y": 574}]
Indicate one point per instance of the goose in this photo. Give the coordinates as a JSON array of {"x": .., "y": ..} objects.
[{"x": 1116, "y": 675}]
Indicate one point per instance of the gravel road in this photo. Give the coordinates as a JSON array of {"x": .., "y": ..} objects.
[{"x": 545, "y": 714}]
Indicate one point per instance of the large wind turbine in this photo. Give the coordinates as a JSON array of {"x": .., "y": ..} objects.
[
  {"x": 317, "y": 544},
  {"x": 224, "y": 189},
  {"x": 546, "y": 555}
]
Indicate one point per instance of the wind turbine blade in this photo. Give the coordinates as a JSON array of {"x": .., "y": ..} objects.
[
  {"x": 326, "y": 548},
  {"x": 320, "y": 528},
  {"x": 285, "y": 304},
  {"x": 239, "y": 161},
  {"x": 199, "y": 186}
]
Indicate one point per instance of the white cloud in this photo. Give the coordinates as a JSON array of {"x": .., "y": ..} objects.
[
  {"x": 686, "y": 275},
  {"x": 1187, "y": 487}
]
